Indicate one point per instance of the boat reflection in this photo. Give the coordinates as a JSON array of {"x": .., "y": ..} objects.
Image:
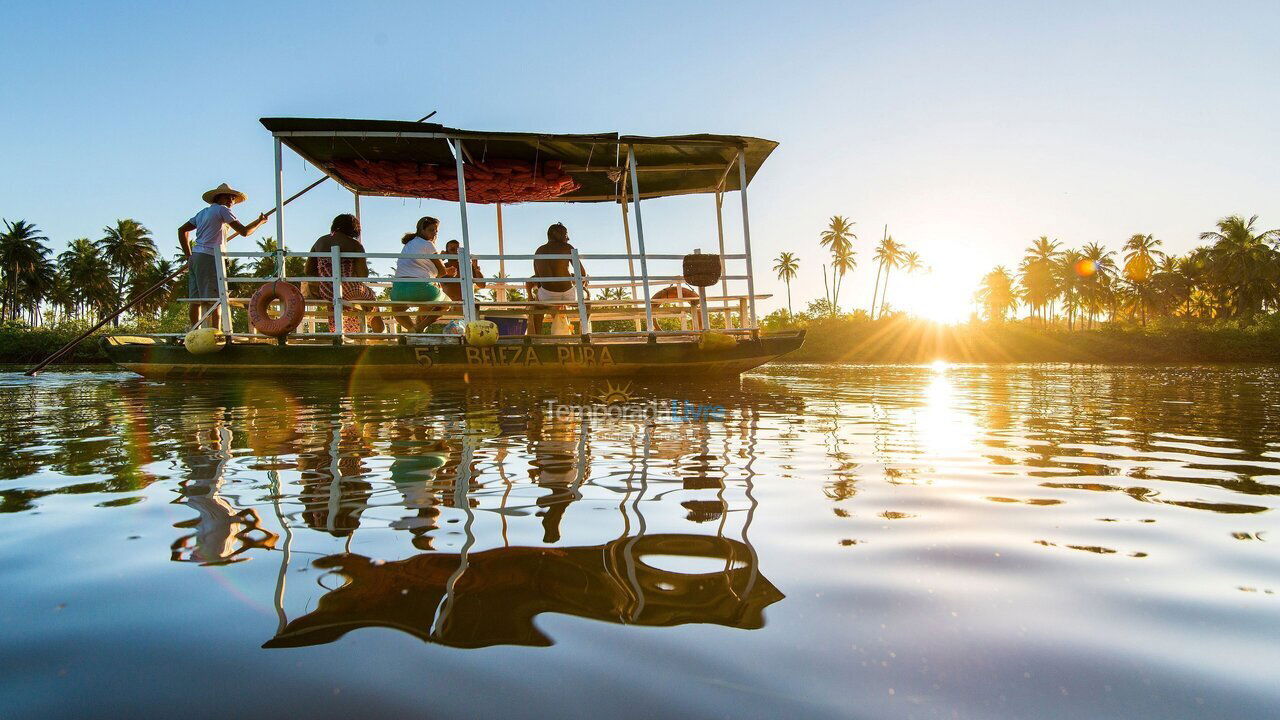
[
  {"x": 495, "y": 601},
  {"x": 480, "y": 482}
]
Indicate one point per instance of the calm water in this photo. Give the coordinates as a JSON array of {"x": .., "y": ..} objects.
[{"x": 909, "y": 541}]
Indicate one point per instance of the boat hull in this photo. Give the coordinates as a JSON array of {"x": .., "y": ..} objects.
[{"x": 507, "y": 359}]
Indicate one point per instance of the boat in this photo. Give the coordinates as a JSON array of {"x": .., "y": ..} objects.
[{"x": 630, "y": 328}]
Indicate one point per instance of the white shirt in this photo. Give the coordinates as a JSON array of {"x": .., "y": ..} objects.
[
  {"x": 209, "y": 223},
  {"x": 417, "y": 267}
]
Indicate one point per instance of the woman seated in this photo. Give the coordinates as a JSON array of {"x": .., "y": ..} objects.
[
  {"x": 454, "y": 290},
  {"x": 422, "y": 241},
  {"x": 344, "y": 234}
]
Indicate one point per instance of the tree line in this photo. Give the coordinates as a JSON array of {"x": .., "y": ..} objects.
[
  {"x": 1236, "y": 274},
  {"x": 94, "y": 277},
  {"x": 837, "y": 239}
]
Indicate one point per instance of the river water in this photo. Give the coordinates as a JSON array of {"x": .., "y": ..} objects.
[{"x": 969, "y": 541}]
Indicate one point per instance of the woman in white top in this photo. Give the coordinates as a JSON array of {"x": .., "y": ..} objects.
[{"x": 420, "y": 242}]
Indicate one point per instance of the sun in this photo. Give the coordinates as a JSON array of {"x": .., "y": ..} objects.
[
  {"x": 942, "y": 293},
  {"x": 614, "y": 395}
]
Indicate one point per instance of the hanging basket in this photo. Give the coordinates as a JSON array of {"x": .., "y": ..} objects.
[{"x": 701, "y": 270}]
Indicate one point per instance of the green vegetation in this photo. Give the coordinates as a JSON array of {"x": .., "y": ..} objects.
[{"x": 899, "y": 338}]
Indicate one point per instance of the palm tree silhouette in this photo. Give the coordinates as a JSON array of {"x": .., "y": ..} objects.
[
  {"x": 888, "y": 255},
  {"x": 838, "y": 239},
  {"x": 1243, "y": 264},
  {"x": 786, "y": 266},
  {"x": 1140, "y": 260},
  {"x": 22, "y": 254},
  {"x": 129, "y": 249}
]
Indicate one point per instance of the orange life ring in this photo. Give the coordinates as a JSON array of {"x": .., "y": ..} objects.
[
  {"x": 292, "y": 307},
  {"x": 674, "y": 293}
]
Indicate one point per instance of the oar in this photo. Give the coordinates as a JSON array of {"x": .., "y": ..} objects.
[{"x": 155, "y": 288}]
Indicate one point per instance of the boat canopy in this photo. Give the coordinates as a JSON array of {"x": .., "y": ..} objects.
[{"x": 412, "y": 159}]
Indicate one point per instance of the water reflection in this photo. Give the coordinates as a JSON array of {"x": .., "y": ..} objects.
[{"x": 867, "y": 525}]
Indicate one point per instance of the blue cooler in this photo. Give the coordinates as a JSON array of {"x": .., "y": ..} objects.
[{"x": 509, "y": 325}]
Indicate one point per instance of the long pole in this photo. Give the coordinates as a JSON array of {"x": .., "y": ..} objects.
[
  {"x": 161, "y": 283},
  {"x": 500, "y": 290}
]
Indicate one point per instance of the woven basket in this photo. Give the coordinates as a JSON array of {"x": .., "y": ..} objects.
[{"x": 701, "y": 270}]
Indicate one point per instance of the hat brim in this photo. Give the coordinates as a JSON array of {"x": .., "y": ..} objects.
[{"x": 237, "y": 196}]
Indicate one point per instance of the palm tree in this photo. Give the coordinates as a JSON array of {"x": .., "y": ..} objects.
[
  {"x": 1070, "y": 269},
  {"x": 1243, "y": 264},
  {"x": 996, "y": 294},
  {"x": 22, "y": 251},
  {"x": 1140, "y": 261},
  {"x": 1098, "y": 271},
  {"x": 87, "y": 276},
  {"x": 786, "y": 266},
  {"x": 129, "y": 248},
  {"x": 838, "y": 239},
  {"x": 889, "y": 254},
  {"x": 1039, "y": 285}
]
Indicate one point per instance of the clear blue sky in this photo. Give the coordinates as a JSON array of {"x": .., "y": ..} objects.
[{"x": 970, "y": 128}]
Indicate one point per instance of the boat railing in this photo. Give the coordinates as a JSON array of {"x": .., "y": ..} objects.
[{"x": 640, "y": 307}]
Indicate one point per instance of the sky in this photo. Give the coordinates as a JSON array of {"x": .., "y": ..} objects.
[{"x": 968, "y": 128}]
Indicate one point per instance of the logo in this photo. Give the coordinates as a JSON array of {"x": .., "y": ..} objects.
[{"x": 615, "y": 402}]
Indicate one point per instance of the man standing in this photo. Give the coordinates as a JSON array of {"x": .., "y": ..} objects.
[
  {"x": 553, "y": 291},
  {"x": 209, "y": 224}
]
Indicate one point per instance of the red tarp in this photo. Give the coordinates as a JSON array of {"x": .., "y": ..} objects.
[{"x": 496, "y": 181}]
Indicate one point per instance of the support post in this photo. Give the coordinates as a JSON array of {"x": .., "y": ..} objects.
[
  {"x": 644, "y": 261},
  {"x": 221, "y": 269},
  {"x": 746, "y": 236},
  {"x": 280, "y": 195},
  {"x": 500, "y": 289},
  {"x": 626, "y": 233},
  {"x": 724, "y": 282},
  {"x": 357, "y": 196},
  {"x": 580, "y": 288},
  {"x": 464, "y": 262},
  {"x": 335, "y": 264},
  {"x": 703, "y": 313}
]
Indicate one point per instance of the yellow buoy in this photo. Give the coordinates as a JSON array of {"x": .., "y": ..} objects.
[
  {"x": 482, "y": 333},
  {"x": 716, "y": 341},
  {"x": 203, "y": 341}
]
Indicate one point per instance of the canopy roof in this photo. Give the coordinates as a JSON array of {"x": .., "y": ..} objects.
[{"x": 409, "y": 159}]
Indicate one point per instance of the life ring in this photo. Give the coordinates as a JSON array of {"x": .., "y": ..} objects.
[
  {"x": 674, "y": 293},
  {"x": 292, "y": 307}
]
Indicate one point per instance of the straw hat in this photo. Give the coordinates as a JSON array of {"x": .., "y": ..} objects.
[{"x": 225, "y": 189}]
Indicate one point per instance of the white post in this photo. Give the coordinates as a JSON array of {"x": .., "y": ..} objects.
[
  {"x": 703, "y": 312},
  {"x": 335, "y": 264},
  {"x": 626, "y": 233},
  {"x": 644, "y": 262},
  {"x": 357, "y": 195},
  {"x": 500, "y": 290},
  {"x": 746, "y": 236},
  {"x": 464, "y": 262},
  {"x": 279, "y": 196},
  {"x": 724, "y": 283},
  {"x": 584, "y": 324},
  {"x": 221, "y": 269}
]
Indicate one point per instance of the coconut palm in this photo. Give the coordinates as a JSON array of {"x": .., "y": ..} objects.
[
  {"x": 21, "y": 252},
  {"x": 889, "y": 255},
  {"x": 786, "y": 267},
  {"x": 996, "y": 294},
  {"x": 1039, "y": 281},
  {"x": 838, "y": 240},
  {"x": 129, "y": 248},
  {"x": 1243, "y": 265},
  {"x": 1097, "y": 270},
  {"x": 87, "y": 276},
  {"x": 1140, "y": 261}
]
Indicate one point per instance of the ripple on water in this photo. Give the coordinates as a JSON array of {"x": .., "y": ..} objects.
[{"x": 967, "y": 540}]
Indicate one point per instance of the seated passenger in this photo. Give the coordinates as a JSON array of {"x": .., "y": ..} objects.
[
  {"x": 552, "y": 291},
  {"x": 420, "y": 242},
  {"x": 344, "y": 234},
  {"x": 454, "y": 290}
]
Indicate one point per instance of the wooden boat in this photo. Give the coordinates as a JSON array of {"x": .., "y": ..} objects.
[{"x": 716, "y": 334}]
